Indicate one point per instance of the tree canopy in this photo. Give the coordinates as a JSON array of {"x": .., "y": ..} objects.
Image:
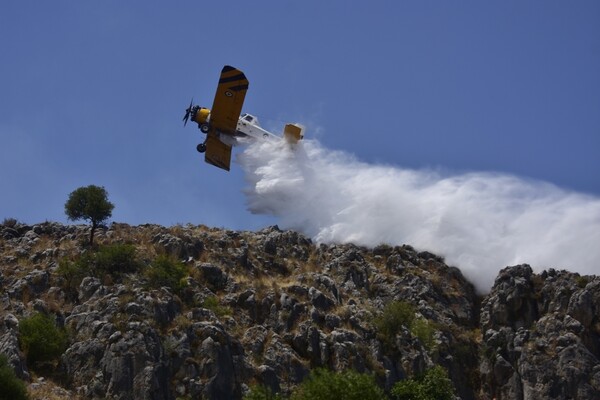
[
  {"x": 323, "y": 384},
  {"x": 89, "y": 203}
]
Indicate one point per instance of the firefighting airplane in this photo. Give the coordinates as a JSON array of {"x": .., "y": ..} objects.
[{"x": 223, "y": 124}]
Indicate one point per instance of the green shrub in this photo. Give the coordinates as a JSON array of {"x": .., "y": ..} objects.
[
  {"x": 398, "y": 314},
  {"x": 10, "y": 222},
  {"x": 348, "y": 385},
  {"x": 40, "y": 339},
  {"x": 262, "y": 392},
  {"x": 582, "y": 281},
  {"x": 212, "y": 303},
  {"x": 11, "y": 387},
  {"x": 73, "y": 272},
  {"x": 434, "y": 384},
  {"x": 424, "y": 330},
  {"x": 408, "y": 389},
  {"x": 166, "y": 271},
  {"x": 113, "y": 260},
  {"x": 116, "y": 259},
  {"x": 395, "y": 315}
]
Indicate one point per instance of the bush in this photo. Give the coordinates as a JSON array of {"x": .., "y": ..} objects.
[
  {"x": 433, "y": 385},
  {"x": 73, "y": 272},
  {"x": 262, "y": 392},
  {"x": 582, "y": 281},
  {"x": 400, "y": 314},
  {"x": 10, "y": 222},
  {"x": 165, "y": 271},
  {"x": 11, "y": 387},
  {"x": 115, "y": 259},
  {"x": 408, "y": 389},
  {"x": 348, "y": 385},
  {"x": 40, "y": 339},
  {"x": 424, "y": 330},
  {"x": 395, "y": 315},
  {"x": 212, "y": 303}
]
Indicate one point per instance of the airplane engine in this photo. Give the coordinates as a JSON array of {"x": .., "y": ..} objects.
[{"x": 200, "y": 115}]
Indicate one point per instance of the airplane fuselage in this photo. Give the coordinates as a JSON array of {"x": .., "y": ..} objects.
[{"x": 247, "y": 125}]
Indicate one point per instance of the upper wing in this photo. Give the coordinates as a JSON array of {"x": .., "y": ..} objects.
[
  {"x": 229, "y": 99},
  {"x": 224, "y": 115}
]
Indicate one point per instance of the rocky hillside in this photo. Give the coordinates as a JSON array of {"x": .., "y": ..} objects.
[{"x": 267, "y": 307}]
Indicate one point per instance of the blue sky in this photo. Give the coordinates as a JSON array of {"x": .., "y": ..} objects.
[{"x": 94, "y": 93}]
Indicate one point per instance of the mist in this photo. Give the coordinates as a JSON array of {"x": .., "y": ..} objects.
[{"x": 479, "y": 222}]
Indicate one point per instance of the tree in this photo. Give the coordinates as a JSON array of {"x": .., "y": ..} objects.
[
  {"x": 323, "y": 384},
  {"x": 434, "y": 384},
  {"x": 91, "y": 204}
]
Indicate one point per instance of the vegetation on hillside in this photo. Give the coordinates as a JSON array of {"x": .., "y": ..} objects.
[
  {"x": 11, "y": 387},
  {"x": 233, "y": 284},
  {"x": 40, "y": 339},
  {"x": 89, "y": 203}
]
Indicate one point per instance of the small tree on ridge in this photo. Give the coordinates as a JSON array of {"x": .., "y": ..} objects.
[{"x": 91, "y": 204}]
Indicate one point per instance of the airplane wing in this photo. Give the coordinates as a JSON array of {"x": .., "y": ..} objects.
[
  {"x": 217, "y": 152},
  {"x": 224, "y": 115},
  {"x": 229, "y": 99}
]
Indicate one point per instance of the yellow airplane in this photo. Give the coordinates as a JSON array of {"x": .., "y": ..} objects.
[{"x": 223, "y": 124}]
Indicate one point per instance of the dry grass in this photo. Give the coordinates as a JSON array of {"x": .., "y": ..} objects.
[
  {"x": 264, "y": 283},
  {"x": 56, "y": 304},
  {"x": 44, "y": 242},
  {"x": 47, "y": 390},
  {"x": 181, "y": 322}
]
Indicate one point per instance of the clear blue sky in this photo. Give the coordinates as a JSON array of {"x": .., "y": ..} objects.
[{"x": 94, "y": 93}]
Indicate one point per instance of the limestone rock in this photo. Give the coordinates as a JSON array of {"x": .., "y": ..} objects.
[{"x": 266, "y": 307}]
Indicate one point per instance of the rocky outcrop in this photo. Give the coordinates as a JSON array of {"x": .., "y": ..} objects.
[
  {"x": 9, "y": 346},
  {"x": 266, "y": 307},
  {"x": 541, "y": 335}
]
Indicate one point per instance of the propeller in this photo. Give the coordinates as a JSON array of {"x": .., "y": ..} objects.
[{"x": 188, "y": 111}]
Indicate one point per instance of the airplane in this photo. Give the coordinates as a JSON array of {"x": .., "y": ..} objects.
[{"x": 224, "y": 124}]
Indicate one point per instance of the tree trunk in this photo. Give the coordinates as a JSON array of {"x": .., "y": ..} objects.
[{"x": 94, "y": 226}]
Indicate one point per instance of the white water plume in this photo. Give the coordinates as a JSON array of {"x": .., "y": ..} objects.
[{"x": 480, "y": 222}]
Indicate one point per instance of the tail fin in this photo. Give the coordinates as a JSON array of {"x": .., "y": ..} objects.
[{"x": 293, "y": 132}]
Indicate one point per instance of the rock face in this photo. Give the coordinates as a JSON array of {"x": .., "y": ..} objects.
[
  {"x": 267, "y": 307},
  {"x": 541, "y": 336}
]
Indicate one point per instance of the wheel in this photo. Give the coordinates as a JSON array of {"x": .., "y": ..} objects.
[
  {"x": 204, "y": 128},
  {"x": 201, "y": 148}
]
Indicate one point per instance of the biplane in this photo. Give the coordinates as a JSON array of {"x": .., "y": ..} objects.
[{"x": 225, "y": 125}]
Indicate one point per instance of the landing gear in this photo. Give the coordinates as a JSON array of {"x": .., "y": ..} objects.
[
  {"x": 204, "y": 128},
  {"x": 201, "y": 148}
]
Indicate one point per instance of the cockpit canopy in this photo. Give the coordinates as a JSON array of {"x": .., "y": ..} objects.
[{"x": 251, "y": 119}]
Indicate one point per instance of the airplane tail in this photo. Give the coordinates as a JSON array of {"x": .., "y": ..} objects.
[{"x": 293, "y": 132}]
